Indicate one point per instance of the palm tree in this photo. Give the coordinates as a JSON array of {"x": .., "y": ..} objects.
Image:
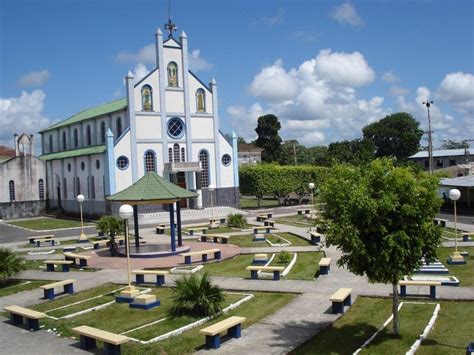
[
  {"x": 10, "y": 265},
  {"x": 110, "y": 225},
  {"x": 196, "y": 296}
]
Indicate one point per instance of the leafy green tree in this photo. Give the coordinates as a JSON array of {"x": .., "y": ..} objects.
[
  {"x": 357, "y": 151},
  {"x": 268, "y": 138},
  {"x": 451, "y": 144},
  {"x": 196, "y": 296},
  {"x": 381, "y": 218},
  {"x": 10, "y": 265},
  {"x": 110, "y": 225},
  {"x": 397, "y": 135}
]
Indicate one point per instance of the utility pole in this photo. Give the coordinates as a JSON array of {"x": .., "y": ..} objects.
[
  {"x": 294, "y": 151},
  {"x": 428, "y": 103}
]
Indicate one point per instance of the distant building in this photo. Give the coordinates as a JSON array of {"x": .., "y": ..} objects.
[
  {"x": 457, "y": 162},
  {"x": 249, "y": 154},
  {"x": 22, "y": 180}
]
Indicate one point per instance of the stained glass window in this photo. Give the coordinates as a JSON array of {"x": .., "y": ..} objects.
[
  {"x": 172, "y": 74},
  {"x": 200, "y": 100},
  {"x": 175, "y": 127},
  {"x": 147, "y": 98},
  {"x": 204, "y": 159}
]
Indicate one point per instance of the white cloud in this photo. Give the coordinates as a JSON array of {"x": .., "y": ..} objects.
[
  {"x": 346, "y": 14},
  {"x": 197, "y": 63},
  {"x": 458, "y": 89},
  {"x": 272, "y": 20},
  {"x": 244, "y": 121},
  {"x": 22, "y": 114},
  {"x": 146, "y": 55},
  {"x": 348, "y": 69},
  {"x": 397, "y": 90},
  {"x": 33, "y": 79},
  {"x": 140, "y": 71},
  {"x": 390, "y": 77},
  {"x": 304, "y": 36}
]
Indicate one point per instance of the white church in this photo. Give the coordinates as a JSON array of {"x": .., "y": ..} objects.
[{"x": 168, "y": 123}]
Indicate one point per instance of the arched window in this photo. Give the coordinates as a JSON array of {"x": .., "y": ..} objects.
[
  {"x": 176, "y": 152},
  {"x": 204, "y": 159},
  {"x": 150, "y": 161},
  {"x": 183, "y": 155},
  {"x": 50, "y": 143},
  {"x": 89, "y": 135},
  {"x": 119, "y": 126},
  {"x": 41, "y": 189},
  {"x": 76, "y": 138},
  {"x": 170, "y": 154},
  {"x": 92, "y": 188},
  {"x": 64, "y": 188},
  {"x": 172, "y": 74},
  {"x": 102, "y": 132},
  {"x": 64, "y": 141},
  {"x": 147, "y": 98},
  {"x": 200, "y": 100},
  {"x": 11, "y": 188}
]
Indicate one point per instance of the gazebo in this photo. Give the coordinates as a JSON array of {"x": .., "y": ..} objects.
[{"x": 152, "y": 189}]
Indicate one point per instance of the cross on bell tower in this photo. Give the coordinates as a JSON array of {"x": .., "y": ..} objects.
[{"x": 170, "y": 26}]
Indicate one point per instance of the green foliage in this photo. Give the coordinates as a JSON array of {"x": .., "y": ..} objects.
[
  {"x": 284, "y": 257},
  {"x": 196, "y": 296},
  {"x": 268, "y": 138},
  {"x": 397, "y": 135},
  {"x": 236, "y": 220},
  {"x": 380, "y": 216},
  {"x": 304, "y": 156},
  {"x": 110, "y": 225},
  {"x": 357, "y": 152},
  {"x": 450, "y": 144},
  {"x": 10, "y": 264}
]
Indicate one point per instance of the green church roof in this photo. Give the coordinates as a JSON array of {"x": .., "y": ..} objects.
[
  {"x": 97, "y": 149},
  {"x": 150, "y": 189},
  {"x": 104, "y": 109}
]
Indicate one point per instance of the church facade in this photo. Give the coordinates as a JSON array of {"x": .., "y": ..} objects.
[{"x": 168, "y": 123}]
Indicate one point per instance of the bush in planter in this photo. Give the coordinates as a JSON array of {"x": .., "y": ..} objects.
[
  {"x": 10, "y": 265},
  {"x": 284, "y": 257},
  {"x": 196, "y": 296},
  {"x": 236, "y": 220},
  {"x": 110, "y": 225}
]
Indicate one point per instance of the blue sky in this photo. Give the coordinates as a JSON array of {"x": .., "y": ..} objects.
[{"x": 326, "y": 68}]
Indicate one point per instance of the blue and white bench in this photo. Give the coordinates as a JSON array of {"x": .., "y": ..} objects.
[
  {"x": 466, "y": 236},
  {"x": 233, "y": 325},
  {"x": 262, "y": 229},
  {"x": 304, "y": 211},
  {"x": 341, "y": 298},
  {"x": 432, "y": 284},
  {"x": 73, "y": 256},
  {"x": 224, "y": 239},
  {"x": 203, "y": 253},
  {"x": 260, "y": 259},
  {"x": 254, "y": 269},
  {"x": 315, "y": 237},
  {"x": 48, "y": 289},
  {"x": 160, "y": 276},
  {"x": 17, "y": 314},
  {"x": 64, "y": 264},
  {"x": 324, "y": 266},
  {"x": 32, "y": 240},
  {"x": 269, "y": 223},
  {"x": 191, "y": 231},
  {"x": 111, "y": 341},
  {"x": 440, "y": 221}
]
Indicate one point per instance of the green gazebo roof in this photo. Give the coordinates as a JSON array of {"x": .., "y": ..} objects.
[{"x": 151, "y": 189}]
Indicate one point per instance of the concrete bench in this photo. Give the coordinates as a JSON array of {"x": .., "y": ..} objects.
[
  {"x": 145, "y": 301},
  {"x": 269, "y": 223},
  {"x": 217, "y": 220},
  {"x": 191, "y": 231},
  {"x": 103, "y": 243},
  {"x": 266, "y": 230},
  {"x": 38, "y": 241},
  {"x": 324, "y": 266},
  {"x": 341, "y": 298},
  {"x": 315, "y": 237},
  {"x": 466, "y": 235},
  {"x": 17, "y": 314},
  {"x": 48, "y": 289},
  {"x": 64, "y": 264},
  {"x": 111, "y": 341},
  {"x": 260, "y": 259},
  {"x": 255, "y": 269},
  {"x": 224, "y": 239},
  {"x": 304, "y": 211},
  {"x": 432, "y": 284},
  {"x": 32, "y": 240},
  {"x": 440, "y": 221},
  {"x": 160, "y": 229},
  {"x": 203, "y": 253},
  {"x": 233, "y": 325},
  {"x": 73, "y": 256},
  {"x": 140, "y": 276}
]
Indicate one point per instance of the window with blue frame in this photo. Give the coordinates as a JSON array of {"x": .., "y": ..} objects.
[
  {"x": 150, "y": 161},
  {"x": 175, "y": 127}
]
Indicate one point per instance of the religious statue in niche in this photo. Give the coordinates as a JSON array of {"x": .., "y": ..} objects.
[
  {"x": 200, "y": 101},
  {"x": 172, "y": 74},
  {"x": 146, "y": 98}
]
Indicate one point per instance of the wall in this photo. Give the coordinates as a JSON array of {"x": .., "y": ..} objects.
[{"x": 21, "y": 209}]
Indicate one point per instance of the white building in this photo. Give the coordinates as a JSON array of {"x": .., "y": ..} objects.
[
  {"x": 456, "y": 162},
  {"x": 168, "y": 123}
]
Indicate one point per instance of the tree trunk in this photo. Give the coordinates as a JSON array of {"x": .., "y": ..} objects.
[{"x": 395, "y": 321}]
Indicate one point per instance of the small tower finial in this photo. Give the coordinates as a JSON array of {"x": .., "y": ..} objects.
[{"x": 170, "y": 26}]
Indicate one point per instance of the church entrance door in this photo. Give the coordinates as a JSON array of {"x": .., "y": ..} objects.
[{"x": 181, "y": 182}]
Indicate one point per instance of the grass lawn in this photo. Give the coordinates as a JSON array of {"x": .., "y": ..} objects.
[
  {"x": 247, "y": 240},
  {"x": 465, "y": 273},
  {"x": 251, "y": 202},
  {"x": 368, "y": 314},
  {"x": 119, "y": 318},
  {"x": 48, "y": 223},
  {"x": 15, "y": 286},
  {"x": 306, "y": 267},
  {"x": 296, "y": 220}
]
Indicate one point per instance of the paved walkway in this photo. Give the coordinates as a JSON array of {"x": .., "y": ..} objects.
[{"x": 279, "y": 333}]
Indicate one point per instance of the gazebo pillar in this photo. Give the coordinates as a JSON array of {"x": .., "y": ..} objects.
[
  {"x": 172, "y": 229},
  {"x": 135, "y": 224},
  {"x": 178, "y": 222}
]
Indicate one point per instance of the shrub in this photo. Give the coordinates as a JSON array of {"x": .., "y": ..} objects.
[
  {"x": 236, "y": 220},
  {"x": 110, "y": 225},
  {"x": 196, "y": 296},
  {"x": 284, "y": 257},
  {"x": 10, "y": 264}
]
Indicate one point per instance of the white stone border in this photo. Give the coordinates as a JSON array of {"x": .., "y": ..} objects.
[
  {"x": 33, "y": 253},
  {"x": 178, "y": 331},
  {"x": 181, "y": 270},
  {"x": 288, "y": 243},
  {"x": 290, "y": 265},
  {"x": 426, "y": 331}
]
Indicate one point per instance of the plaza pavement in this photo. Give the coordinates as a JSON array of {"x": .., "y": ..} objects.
[{"x": 279, "y": 333}]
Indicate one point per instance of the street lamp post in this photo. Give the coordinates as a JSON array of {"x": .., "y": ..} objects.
[
  {"x": 213, "y": 224},
  {"x": 456, "y": 257},
  {"x": 80, "y": 199},
  {"x": 428, "y": 103},
  {"x": 311, "y": 188},
  {"x": 126, "y": 213}
]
